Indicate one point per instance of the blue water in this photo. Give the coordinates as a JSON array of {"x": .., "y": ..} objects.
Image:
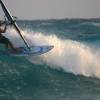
[{"x": 71, "y": 71}]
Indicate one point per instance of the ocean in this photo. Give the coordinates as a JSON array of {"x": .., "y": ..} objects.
[{"x": 70, "y": 71}]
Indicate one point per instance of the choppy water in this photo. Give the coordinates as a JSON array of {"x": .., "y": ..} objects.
[{"x": 71, "y": 71}]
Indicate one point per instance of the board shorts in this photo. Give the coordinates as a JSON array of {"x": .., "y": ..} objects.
[{"x": 4, "y": 40}]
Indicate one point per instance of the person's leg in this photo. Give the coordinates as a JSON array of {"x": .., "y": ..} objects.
[{"x": 9, "y": 45}]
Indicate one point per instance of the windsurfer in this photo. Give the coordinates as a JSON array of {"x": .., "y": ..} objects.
[{"x": 5, "y": 40}]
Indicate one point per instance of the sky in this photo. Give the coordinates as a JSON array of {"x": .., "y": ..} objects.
[{"x": 53, "y": 9}]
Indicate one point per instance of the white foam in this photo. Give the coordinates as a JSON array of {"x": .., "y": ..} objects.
[{"x": 71, "y": 56}]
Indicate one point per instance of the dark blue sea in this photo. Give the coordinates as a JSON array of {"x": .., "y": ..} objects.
[{"x": 70, "y": 71}]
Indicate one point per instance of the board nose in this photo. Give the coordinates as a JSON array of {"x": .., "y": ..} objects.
[{"x": 50, "y": 47}]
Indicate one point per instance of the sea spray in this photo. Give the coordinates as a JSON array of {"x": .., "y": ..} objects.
[{"x": 69, "y": 55}]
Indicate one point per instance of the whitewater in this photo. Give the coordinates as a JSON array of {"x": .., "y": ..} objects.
[{"x": 69, "y": 55}]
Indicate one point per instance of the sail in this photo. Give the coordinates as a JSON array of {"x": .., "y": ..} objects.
[{"x": 10, "y": 18}]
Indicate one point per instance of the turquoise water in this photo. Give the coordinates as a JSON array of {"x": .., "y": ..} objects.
[{"x": 71, "y": 71}]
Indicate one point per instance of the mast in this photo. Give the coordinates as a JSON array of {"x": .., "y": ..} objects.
[{"x": 10, "y": 18}]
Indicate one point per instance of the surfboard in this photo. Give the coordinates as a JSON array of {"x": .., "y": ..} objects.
[
  {"x": 34, "y": 50},
  {"x": 24, "y": 51}
]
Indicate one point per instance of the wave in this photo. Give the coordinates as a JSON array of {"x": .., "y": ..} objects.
[
  {"x": 96, "y": 24},
  {"x": 68, "y": 55}
]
